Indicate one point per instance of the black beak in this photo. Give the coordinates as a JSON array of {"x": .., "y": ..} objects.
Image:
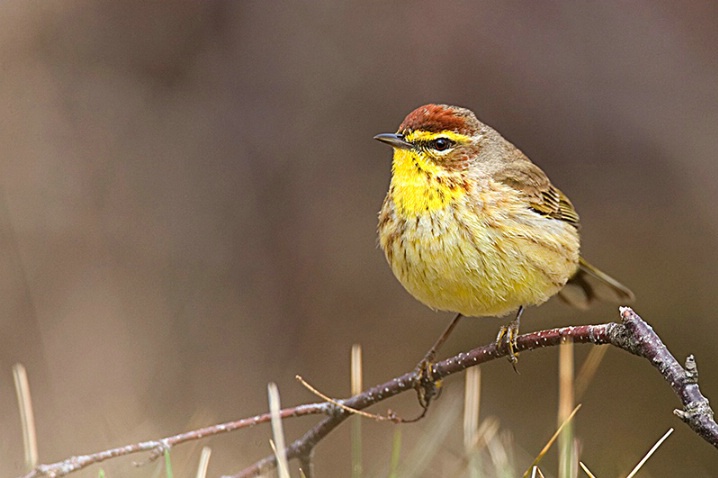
[{"x": 394, "y": 140}]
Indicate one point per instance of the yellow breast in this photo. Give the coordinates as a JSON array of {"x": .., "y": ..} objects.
[{"x": 474, "y": 248}]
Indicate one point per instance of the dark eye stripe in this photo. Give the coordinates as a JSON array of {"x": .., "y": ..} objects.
[{"x": 438, "y": 144}]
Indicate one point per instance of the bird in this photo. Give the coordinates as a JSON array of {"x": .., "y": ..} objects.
[{"x": 471, "y": 225}]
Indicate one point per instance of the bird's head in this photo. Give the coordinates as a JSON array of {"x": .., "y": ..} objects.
[{"x": 433, "y": 138}]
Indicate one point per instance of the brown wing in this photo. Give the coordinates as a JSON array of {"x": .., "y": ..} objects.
[
  {"x": 543, "y": 197},
  {"x": 588, "y": 284}
]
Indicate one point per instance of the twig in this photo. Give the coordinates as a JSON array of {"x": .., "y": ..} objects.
[
  {"x": 157, "y": 447},
  {"x": 337, "y": 403}
]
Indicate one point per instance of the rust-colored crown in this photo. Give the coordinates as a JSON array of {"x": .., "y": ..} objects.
[{"x": 435, "y": 118}]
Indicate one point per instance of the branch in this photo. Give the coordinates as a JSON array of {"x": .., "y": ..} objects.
[
  {"x": 157, "y": 447},
  {"x": 632, "y": 335}
]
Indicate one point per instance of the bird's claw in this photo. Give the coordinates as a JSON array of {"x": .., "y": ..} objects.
[
  {"x": 427, "y": 388},
  {"x": 507, "y": 334}
]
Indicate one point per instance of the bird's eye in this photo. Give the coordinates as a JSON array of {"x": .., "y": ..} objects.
[{"x": 441, "y": 144}]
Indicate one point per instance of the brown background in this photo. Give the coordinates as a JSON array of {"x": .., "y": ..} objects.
[{"x": 188, "y": 199}]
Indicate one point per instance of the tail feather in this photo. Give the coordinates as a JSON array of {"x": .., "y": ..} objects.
[{"x": 589, "y": 284}]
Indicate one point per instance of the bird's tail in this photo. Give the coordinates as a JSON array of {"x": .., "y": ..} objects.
[{"x": 589, "y": 284}]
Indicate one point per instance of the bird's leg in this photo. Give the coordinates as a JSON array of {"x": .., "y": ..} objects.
[
  {"x": 426, "y": 387},
  {"x": 431, "y": 354},
  {"x": 510, "y": 332}
]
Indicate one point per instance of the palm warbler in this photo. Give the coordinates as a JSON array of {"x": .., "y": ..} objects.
[{"x": 471, "y": 225}]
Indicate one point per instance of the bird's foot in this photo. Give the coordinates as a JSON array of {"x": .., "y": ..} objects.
[
  {"x": 507, "y": 335},
  {"x": 426, "y": 386}
]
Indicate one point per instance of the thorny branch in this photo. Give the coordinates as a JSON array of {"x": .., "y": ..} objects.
[{"x": 632, "y": 335}]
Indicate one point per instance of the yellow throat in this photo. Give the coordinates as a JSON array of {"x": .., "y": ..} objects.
[{"x": 418, "y": 185}]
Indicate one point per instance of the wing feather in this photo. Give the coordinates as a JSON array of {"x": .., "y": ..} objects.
[{"x": 543, "y": 197}]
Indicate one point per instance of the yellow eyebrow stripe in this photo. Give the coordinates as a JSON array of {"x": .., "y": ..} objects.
[{"x": 421, "y": 136}]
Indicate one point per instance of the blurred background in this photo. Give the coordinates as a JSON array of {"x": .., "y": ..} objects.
[{"x": 188, "y": 201}]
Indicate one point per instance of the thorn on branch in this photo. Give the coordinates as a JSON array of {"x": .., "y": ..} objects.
[
  {"x": 699, "y": 408},
  {"x": 159, "y": 450},
  {"x": 691, "y": 370},
  {"x": 694, "y": 411}
]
